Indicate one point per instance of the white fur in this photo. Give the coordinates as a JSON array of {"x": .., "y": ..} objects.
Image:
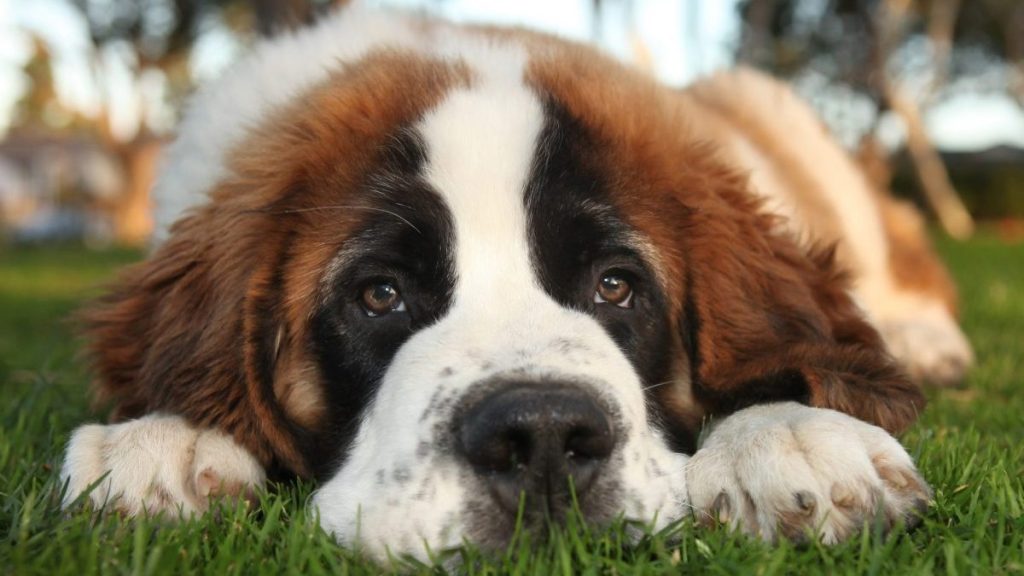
[
  {"x": 273, "y": 73},
  {"x": 158, "y": 463},
  {"x": 480, "y": 143},
  {"x": 819, "y": 470},
  {"x": 220, "y": 114},
  {"x": 922, "y": 334},
  {"x": 395, "y": 492}
]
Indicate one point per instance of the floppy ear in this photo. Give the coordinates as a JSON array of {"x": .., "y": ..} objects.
[
  {"x": 764, "y": 320},
  {"x": 190, "y": 331},
  {"x": 213, "y": 325}
]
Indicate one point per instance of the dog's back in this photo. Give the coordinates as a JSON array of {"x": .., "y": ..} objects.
[{"x": 826, "y": 197}]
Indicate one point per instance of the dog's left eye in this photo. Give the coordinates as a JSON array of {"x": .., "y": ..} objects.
[
  {"x": 614, "y": 288},
  {"x": 382, "y": 298}
]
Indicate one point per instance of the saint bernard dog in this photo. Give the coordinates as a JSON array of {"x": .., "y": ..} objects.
[{"x": 458, "y": 274}]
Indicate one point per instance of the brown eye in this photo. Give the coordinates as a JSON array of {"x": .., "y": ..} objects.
[
  {"x": 613, "y": 288},
  {"x": 382, "y": 298}
]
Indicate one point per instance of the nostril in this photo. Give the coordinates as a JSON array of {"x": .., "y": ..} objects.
[
  {"x": 590, "y": 442},
  {"x": 517, "y": 452},
  {"x": 505, "y": 451}
]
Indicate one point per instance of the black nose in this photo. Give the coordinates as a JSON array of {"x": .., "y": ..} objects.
[{"x": 530, "y": 438}]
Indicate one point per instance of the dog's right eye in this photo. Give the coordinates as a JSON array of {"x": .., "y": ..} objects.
[
  {"x": 380, "y": 298},
  {"x": 614, "y": 288}
]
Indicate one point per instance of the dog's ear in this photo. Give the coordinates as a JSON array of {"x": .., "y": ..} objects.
[
  {"x": 200, "y": 328},
  {"x": 213, "y": 326},
  {"x": 764, "y": 319},
  {"x": 192, "y": 331}
]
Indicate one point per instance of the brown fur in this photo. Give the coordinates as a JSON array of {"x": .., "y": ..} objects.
[
  {"x": 912, "y": 260},
  {"x": 725, "y": 122},
  {"x": 194, "y": 329},
  {"x": 213, "y": 326},
  {"x": 762, "y": 318}
]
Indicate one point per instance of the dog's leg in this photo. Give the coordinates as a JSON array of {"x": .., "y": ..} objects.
[
  {"x": 789, "y": 470},
  {"x": 925, "y": 338},
  {"x": 157, "y": 463},
  {"x": 911, "y": 299}
]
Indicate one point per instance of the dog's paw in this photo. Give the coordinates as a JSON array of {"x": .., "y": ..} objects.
[
  {"x": 930, "y": 346},
  {"x": 158, "y": 463},
  {"x": 790, "y": 470}
]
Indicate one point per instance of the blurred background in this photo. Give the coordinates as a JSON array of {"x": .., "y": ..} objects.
[{"x": 928, "y": 93}]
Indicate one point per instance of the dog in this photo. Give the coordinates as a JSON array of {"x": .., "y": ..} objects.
[{"x": 469, "y": 276}]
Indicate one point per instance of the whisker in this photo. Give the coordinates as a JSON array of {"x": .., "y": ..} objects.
[
  {"x": 348, "y": 207},
  {"x": 659, "y": 384}
]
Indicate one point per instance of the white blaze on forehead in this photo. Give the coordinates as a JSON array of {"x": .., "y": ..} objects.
[
  {"x": 480, "y": 145},
  {"x": 401, "y": 485}
]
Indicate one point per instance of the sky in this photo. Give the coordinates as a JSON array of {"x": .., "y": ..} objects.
[{"x": 685, "y": 39}]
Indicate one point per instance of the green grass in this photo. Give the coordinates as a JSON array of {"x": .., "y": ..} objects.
[{"x": 969, "y": 442}]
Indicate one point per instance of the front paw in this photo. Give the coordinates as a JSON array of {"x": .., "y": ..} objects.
[
  {"x": 790, "y": 470},
  {"x": 158, "y": 463}
]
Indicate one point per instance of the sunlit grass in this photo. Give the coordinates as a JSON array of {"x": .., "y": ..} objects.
[{"x": 969, "y": 442}]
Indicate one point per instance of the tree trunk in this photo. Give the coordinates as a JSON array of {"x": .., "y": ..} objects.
[
  {"x": 133, "y": 214},
  {"x": 275, "y": 16},
  {"x": 1015, "y": 53},
  {"x": 931, "y": 172},
  {"x": 941, "y": 23}
]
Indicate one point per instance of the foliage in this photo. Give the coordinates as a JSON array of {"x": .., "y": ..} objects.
[
  {"x": 846, "y": 55},
  {"x": 836, "y": 38}
]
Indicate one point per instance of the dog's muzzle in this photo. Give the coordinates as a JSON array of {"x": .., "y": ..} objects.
[{"x": 545, "y": 443}]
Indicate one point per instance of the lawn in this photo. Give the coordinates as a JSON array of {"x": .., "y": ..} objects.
[{"x": 969, "y": 443}]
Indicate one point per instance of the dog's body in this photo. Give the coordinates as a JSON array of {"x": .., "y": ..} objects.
[{"x": 441, "y": 267}]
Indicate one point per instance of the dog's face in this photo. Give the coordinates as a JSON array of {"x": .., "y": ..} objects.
[
  {"x": 487, "y": 331},
  {"x": 496, "y": 321},
  {"x": 460, "y": 290}
]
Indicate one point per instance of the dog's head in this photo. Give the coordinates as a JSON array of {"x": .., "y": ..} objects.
[{"x": 448, "y": 286}]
